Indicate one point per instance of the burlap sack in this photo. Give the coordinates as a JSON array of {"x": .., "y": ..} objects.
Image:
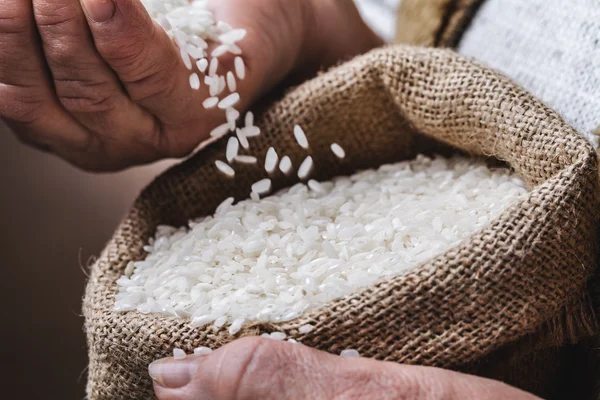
[{"x": 498, "y": 304}]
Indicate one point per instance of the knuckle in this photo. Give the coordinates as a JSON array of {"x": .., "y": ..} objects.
[
  {"x": 238, "y": 379},
  {"x": 56, "y": 17},
  {"x": 85, "y": 96},
  {"x": 15, "y": 21},
  {"x": 126, "y": 53},
  {"x": 64, "y": 56}
]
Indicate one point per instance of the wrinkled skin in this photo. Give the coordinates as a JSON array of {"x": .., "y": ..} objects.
[
  {"x": 257, "y": 368},
  {"x": 112, "y": 94}
]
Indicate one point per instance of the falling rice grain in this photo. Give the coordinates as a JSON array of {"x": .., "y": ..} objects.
[
  {"x": 220, "y": 130},
  {"x": 211, "y": 102},
  {"x": 202, "y": 65},
  {"x": 229, "y": 101},
  {"x": 240, "y": 68},
  {"x": 194, "y": 81},
  {"x": 242, "y": 138},
  {"x": 286, "y": 165},
  {"x": 214, "y": 66},
  {"x": 305, "y": 168},
  {"x": 300, "y": 137},
  {"x": 249, "y": 119},
  {"x": 245, "y": 159},
  {"x": 233, "y": 146},
  {"x": 338, "y": 151},
  {"x": 225, "y": 168},
  {"x": 231, "y": 83},
  {"x": 271, "y": 160},
  {"x": 187, "y": 61}
]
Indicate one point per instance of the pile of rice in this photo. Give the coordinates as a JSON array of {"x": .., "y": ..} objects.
[{"x": 273, "y": 259}]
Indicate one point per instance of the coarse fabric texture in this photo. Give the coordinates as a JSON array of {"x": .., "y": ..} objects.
[
  {"x": 516, "y": 288},
  {"x": 438, "y": 23},
  {"x": 550, "y": 47}
]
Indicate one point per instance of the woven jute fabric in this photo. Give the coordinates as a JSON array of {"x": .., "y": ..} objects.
[
  {"x": 514, "y": 288},
  {"x": 438, "y": 23}
]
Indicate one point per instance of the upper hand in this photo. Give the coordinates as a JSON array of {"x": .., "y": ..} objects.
[
  {"x": 256, "y": 368},
  {"x": 101, "y": 85}
]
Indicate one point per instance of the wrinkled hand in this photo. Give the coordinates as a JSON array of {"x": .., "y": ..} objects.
[
  {"x": 101, "y": 85},
  {"x": 256, "y": 368}
]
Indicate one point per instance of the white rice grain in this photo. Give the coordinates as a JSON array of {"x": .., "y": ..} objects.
[
  {"x": 277, "y": 335},
  {"x": 249, "y": 119},
  {"x": 220, "y": 130},
  {"x": 300, "y": 137},
  {"x": 233, "y": 146},
  {"x": 214, "y": 66},
  {"x": 179, "y": 354},
  {"x": 185, "y": 57},
  {"x": 164, "y": 22},
  {"x": 232, "y": 115},
  {"x": 262, "y": 187},
  {"x": 316, "y": 187},
  {"x": 231, "y": 83},
  {"x": 271, "y": 160},
  {"x": 251, "y": 131},
  {"x": 236, "y": 326},
  {"x": 305, "y": 168},
  {"x": 229, "y": 101},
  {"x": 349, "y": 353},
  {"x": 211, "y": 102},
  {"x": 338, "y": 150},
  {"x": 225, "y": 168},
  {"x": 219, "y": 51},
  {"x": 242, "y": 138},
  {"x": 240, "y": 68},
  {"x": 245, "y": 159},
  {"x": 202, "y": 65},
  {"x": 202, "y": 351},
  {"x": 285, "y": 165},
  {"x": 194, "y": 81},
  {"x": 305, "y": 329},
  {"x": 232, "y": 36}
]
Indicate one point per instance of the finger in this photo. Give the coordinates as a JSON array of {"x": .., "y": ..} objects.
[
  {"x": 150, "y": 67},
  {"x": 84, "y": 84},
  {"x": 267, "y": 369},
  {"x": 27, "y": 101}
]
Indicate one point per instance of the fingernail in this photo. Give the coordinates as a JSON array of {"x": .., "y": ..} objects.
[
  {"x": 99, "y": 10},
  {"x": 171, "y": 373}
]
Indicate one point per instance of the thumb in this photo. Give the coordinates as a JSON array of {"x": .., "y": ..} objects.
[{"x": 256, "y": 368}]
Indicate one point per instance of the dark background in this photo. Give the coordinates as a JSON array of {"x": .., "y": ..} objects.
[{"x": 54, "y": 218}]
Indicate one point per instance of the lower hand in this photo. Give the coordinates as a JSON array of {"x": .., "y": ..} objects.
[{"x": 256, "y": 368}]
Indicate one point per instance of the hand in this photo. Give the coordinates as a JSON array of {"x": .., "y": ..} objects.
[
  {"x": 256, "y": 368},
  {"x": 101, "y": 85}
]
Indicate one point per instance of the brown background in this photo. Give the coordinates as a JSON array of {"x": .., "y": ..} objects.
[{"x": 53, "y": 219}]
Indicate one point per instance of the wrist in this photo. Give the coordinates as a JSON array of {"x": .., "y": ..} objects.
[{"x": 337, "y": 32}]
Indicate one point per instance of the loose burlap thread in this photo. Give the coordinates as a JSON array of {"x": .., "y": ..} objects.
[{"x": 514, "y": 288}]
